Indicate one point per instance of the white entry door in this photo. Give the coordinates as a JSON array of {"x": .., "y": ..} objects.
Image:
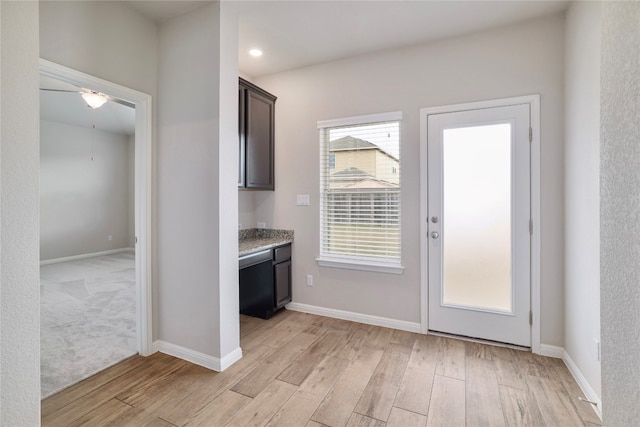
[{"x": 479, "y": 211}]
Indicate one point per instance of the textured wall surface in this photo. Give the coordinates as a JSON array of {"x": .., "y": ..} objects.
[
  {"x": 19, "y": 278},
  {"x": 582, "y": 188},
  {"x": 620, "y": 212}
]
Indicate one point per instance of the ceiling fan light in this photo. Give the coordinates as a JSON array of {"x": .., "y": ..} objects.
[{"x": 94, "y": 99}]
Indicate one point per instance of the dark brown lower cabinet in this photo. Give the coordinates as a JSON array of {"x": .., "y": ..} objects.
[
  {"x": 256, "y": 284},
  {"x": 265, "y": 281}
]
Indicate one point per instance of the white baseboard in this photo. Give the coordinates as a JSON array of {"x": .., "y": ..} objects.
[
  {"x": 230, "y": 359},
  {"x": 551, "y": 351},
  {"x": 198, "y": 358},
  {"x": 356, "y": 317},
  {"x": 584, "y": 385},
  {"x": 589, "y": 392},
  {"x": 84, "y": 256}
]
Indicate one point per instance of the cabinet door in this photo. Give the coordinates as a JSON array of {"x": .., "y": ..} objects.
[
  {"x": 242, "y": 95},
  {"x": 259, "y": 141},
  {"x": 256, "y": 290},
  {"x": 282, "y": 274}
]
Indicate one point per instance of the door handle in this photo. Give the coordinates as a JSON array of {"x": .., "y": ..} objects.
[{"x": 435, "y": 234}]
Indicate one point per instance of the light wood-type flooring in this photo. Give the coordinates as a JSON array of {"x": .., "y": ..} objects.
[{"x": 305, "y": 370}]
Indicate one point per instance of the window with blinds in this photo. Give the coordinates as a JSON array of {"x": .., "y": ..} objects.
[{"x": 360, "y": 189}]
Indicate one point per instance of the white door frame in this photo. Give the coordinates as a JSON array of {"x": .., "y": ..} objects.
[
  {"x": 534, "y": 102},
  {"x": 143, "y": 179}
]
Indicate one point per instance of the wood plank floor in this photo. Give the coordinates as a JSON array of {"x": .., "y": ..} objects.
[{"x": 305, "y": 370}]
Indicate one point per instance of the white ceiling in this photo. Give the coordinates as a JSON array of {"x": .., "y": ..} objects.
[
  {"x": 161, "y": 10},
  {"x": 299, "y": 33},
  {"x": 295, "y": 34}
]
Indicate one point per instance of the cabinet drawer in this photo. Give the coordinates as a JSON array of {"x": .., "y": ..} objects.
[
  {"x": 282, "y": 253},
  {"x": 253, "y": 259}
]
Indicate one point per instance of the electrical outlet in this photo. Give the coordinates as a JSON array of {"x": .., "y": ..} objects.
[
  {"x": 309, "y": 280},
  {"x": 110, "y": 237},
  {"x": 262, "y": 225}
]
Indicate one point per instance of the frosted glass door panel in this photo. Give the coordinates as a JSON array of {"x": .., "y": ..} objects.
[
  {"x": 479, "y": 208},
  {"x": 477, "y": 217}
]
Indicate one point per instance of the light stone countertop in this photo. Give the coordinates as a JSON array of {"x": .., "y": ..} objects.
[{"x": 259, "y": 239}]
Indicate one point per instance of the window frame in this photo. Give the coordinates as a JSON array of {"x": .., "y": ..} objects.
[
  {"x": 355, "y": 262},
  {"x": 332, "y": 161}
]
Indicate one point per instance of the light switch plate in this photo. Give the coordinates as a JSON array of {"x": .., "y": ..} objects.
[{"x": 303, "y": 200}]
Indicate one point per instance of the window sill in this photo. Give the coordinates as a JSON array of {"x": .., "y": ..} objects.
[{"x": 378, "y": 267}]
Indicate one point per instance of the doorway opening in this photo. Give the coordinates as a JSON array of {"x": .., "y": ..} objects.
[
  {"x": 479, "y": 210},
  {"x": 103, "y": 174}
]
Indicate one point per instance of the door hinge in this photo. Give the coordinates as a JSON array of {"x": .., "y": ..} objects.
[
  {"x": 530, "y": 318},
  {"x": 530, "y": 134},
  {"x": 530, "y": 226}
]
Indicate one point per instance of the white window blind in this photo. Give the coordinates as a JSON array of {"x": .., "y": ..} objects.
[{"x": 360, "y": 189}]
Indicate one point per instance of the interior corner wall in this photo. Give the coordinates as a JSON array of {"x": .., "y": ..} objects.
[
  {"x": 19, "y": 271},
  {"x": 83, "y": 201},
  {"x": 522, "y": 59},
  {"x": 620, "y": 212},
  {"x": 246, "y": 210},
  {"x": 229, "y": 323},
  {"x": 582, "y": 189},
  {"x": 192, "y": 184}
]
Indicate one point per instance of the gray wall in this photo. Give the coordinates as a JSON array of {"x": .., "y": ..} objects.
[
  {"x": 81, "y": 35},
  {"x": 246, "y": 210},
  {"x": 19, "y": 278},
  {"x": 197, "y": 157},
  {"x": 199, "y": 104},
  {"x": 82, "y": 201},
  {"x": 199, "y": 110},
  {"x": 517, "y": 60},
  {"x": 582, "y": 189},
  {"x": 620, "y": 213}
]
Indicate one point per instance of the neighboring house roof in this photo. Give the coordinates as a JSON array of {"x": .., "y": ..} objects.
[
  {"x": 349, "y": 143},
  {"x": 362, "y": 184},
  {"x": 351, "y": 173},
  {"x": 354, "y": 178}
]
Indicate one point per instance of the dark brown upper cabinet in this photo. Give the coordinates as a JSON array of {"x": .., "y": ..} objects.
[{"x": 256, "y": 132}]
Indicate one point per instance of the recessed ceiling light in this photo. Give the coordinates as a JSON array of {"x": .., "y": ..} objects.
[{"x": 255, "y": 52}]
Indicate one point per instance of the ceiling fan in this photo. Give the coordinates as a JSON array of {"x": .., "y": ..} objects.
[{"x": 93, "y": 98}]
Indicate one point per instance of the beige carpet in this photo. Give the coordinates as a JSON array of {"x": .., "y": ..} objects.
[{"x": 87, "y": 318}]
